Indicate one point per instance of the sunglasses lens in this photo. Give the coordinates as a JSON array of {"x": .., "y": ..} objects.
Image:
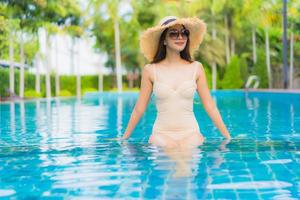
[
  {"x": 185, "y": 33},
  {"x": 174, "y": 34}
]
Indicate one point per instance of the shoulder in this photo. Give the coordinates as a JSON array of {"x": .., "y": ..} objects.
[
  {"x": 147, "y": 67},
  {"x": 148, "y": 71},
  {"x": 198, "y": 64},
  {"x": 199, "y": 69}
]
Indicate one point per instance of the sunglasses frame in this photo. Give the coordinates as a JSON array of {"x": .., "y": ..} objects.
[{"x": 174, "y": 34}]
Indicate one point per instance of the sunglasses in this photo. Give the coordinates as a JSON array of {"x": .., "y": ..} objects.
[{"x": 174, "y": 34}]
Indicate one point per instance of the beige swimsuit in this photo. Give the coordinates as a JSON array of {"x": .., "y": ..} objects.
[{"x": 175, "y": 117}]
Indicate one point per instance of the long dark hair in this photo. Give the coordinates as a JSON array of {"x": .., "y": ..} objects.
[{"x": 161, "y": 49}]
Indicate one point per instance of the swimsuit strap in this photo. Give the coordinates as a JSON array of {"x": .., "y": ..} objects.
[{"x": 195, "y": 71}]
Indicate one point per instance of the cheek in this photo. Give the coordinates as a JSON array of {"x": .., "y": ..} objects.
[{"x": 169, "y": 41}]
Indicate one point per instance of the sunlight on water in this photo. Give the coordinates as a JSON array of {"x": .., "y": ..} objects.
[{"x": 61, "y": 148}]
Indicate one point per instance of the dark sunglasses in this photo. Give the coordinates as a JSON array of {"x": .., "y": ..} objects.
[{"x": 174, "y": 34}]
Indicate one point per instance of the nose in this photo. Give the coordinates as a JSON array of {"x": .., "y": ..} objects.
[{"x": 180, "y": 36}]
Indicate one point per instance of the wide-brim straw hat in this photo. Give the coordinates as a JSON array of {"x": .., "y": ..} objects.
[{"x": 149, "y": 39}]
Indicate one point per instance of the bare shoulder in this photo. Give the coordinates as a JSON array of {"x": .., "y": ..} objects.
[
  {"x": 199, "y": 64},
  {"x": 147, "y": 71},
  {"x": 200, "y": 69}
]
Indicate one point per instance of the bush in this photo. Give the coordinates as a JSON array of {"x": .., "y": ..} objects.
[
  {"x": 4, "y": 82},
  {"x": 32, "y": 94},
  {"x": 244, "y": 68},
  {"x": 85, "y": 90},
  {"x": 89, "y": 83},
  {"x": 260, "y": 68},
  {"x": 232, "y": 78},
  {"x": 65, "y": 93}
]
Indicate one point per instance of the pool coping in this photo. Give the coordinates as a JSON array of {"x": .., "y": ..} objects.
[
  {"x": 286, "y": 91},
  {"x": 274, "y": 90}
]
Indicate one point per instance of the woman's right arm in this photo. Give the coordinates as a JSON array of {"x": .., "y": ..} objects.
[{"x": 142, "y": 102}]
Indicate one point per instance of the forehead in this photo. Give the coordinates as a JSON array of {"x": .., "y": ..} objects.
[{"x": 176, "y": 26}]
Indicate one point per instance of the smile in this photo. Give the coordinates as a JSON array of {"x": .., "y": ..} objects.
[{"x": 179, "y": 43}]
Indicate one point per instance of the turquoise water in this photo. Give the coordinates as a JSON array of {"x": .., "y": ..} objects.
[{"x": 60, "y": 149}]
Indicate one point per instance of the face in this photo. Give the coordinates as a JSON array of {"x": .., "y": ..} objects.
[{"x": 176, "y": 37}]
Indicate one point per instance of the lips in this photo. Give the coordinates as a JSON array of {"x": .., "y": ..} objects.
[{"x": 179, "y": 43}]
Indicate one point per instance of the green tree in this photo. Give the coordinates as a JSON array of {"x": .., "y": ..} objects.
[{"x": 232, "y": 78}]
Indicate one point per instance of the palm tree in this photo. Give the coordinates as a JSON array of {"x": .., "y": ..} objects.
[
  {"x": 11, "y": 61},
  {"x": 13, "y": 24},
  {"x": 76, "y": 32},
  {"x": 113, "y": 13},
  {"x": 22, "y": 63},
  {"x": 57, "y": 82},
  {"x": 37, "y": 72},
  {"x": 269, "y": 17},
  {"x": 213, "y": 9},
  {"x": 294, "y": 14},
  {"x": 251, "y": 11},
  {"x": 48, "y": 65},
  {"x": 50, "y": 30},
  {"x": 109, "y": 15}
]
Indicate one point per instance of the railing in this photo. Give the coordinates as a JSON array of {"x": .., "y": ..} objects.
[{"x": 250, "y": 80}]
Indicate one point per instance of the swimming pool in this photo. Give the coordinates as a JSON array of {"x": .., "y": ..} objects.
[{"x": 59, "y": 149}]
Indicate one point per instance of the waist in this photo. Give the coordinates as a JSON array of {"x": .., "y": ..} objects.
[
  {"x": 175, "y": 112},
  {"x": 174, "y": 122},
  {"x": 175, "y": 106},
  {"x": 178, "y": 135}
]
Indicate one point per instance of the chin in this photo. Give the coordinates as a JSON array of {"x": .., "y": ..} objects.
[{"x": 178, "y": 49}]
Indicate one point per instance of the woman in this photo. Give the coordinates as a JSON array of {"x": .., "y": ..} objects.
[{"x": 173, "y": 77}]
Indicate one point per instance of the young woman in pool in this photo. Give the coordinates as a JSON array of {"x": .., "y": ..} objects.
[{"x": 173, "y": 77}]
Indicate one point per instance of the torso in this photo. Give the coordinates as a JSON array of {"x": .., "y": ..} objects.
[{"x": 174, "y": 88}]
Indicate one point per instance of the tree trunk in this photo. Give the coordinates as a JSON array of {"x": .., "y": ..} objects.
[
  {"x": 11, "y": 64},
  {"x": 100, "y": 78},
  {"x": 72, "y": 55},
  {"x": 48, "y": 66},
  {"x": 57, "y": 85},
  {"x": 37, "y": 73},
  {"x": 254, "y": 44},
  {"x": 232, "y": 46},
  {"x": 118, "y": 55},
  {"x": 227, "y": 40},
  {"x": 214, "y": 75},
  {"x": 130, "y": 79},
  {"x": 78, "y": 78},
  {"x": 21, "y": 91},
  {"x": 214, "y": 64},
  {"x": 291, "y": 60},
  {"x": 268, "y": 58}
]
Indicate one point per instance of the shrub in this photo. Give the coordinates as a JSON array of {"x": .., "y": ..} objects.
[
  {"x": 85, "y": 90},
  {"x": 65, "y": 93},
  {"x": 32, "y": 94},
  {"x": 232, "y": 78},
  {"x": 260, "y": 68}
]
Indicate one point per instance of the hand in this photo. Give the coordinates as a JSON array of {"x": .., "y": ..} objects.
[
  {"x": 224, "y": 143},
  {"x": 115, "y": 139},
  {"x": 125, "y": 136},
  {"x": 228, "y": 137}
]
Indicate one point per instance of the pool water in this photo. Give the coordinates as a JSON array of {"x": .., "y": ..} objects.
[{"x": 61, "y": 149}]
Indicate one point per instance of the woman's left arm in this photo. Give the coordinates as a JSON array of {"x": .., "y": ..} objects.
[{"x": 208, "y": 102}]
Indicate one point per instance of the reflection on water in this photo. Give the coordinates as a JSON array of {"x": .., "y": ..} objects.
[{"x": 58, "y": 148}]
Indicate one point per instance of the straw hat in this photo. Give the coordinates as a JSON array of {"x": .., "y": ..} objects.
[{"x": 149, "y": 39}]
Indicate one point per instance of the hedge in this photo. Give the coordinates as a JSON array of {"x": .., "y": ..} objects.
[{"x": 67, "y": 83}]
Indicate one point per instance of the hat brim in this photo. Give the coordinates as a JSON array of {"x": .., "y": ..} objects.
[{"x": 149, "y": 38}]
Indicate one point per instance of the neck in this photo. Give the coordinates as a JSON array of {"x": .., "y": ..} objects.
[{"x": 172, "y": 57}]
